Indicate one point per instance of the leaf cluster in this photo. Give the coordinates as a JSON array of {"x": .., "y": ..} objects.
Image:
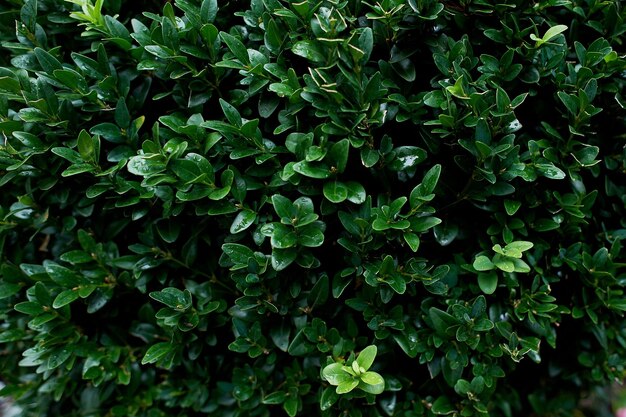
[{"x": 321, "y": 208}]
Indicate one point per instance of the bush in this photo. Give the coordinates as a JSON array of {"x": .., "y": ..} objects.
[{"x": 328, "y": 208}]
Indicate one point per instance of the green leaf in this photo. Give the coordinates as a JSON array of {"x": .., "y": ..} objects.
[
  {"x": 422, "y": 224},
  {"x": 549, "y": 35},
  {"x": 372, "y": 378},
  {"x": 462, "y": 387},
  {"x": 282, "y": 258},
  {"x": 369, "y": 157},
  {"x": 356, "y": 192},
  {"x": 518, "y": 246},
  {"x": 347, "y": 386},
  {"x": 277, "y": 397},
  {"x": 283, "y": 237},
  {"x": 319, "y": 292},
  {"x": 65, "y": 298},
  {"x": 570, "y": 102},
  {"x": 482, "y": 263},
  {"x": 335, "y": 374},
  {"x": 69, "y": 154},
  {"x": 457, "y": 89},
  {"x": 156, "y": 352},
  {"x": 85, "y": 146},
  {"x": 429, "y": 182},
  {"x": 445, "y": 233},
  {"x": 335, "y": 191},
  {"x": 511, "y": 206},
  {"x": 244, "y": 219},
  {"x": 407, "y": 157},
  {"x": 412, "y": 240},
  {"x": 8, "y": 290},
  {"x": 338, "y": 155},
  {"x": 29, "y": 140},
  {"x": 328, "y": 398},
  {"x": 208, "y": 11},
  {"x": 173, "y": 298},
  {"x": 441, "y": 320},
  {"x": 29, "y": 307},
  {"x": 48, "y": 62},
  {"x": 310, "y": 50},
  {"x": 72, "y": 79},
  {"x": 367, "y": 356},
  {"x": 231, "y": 113},
  {"x": 238, "y": 254},
  {"x": 13, "y": 335},
  {"x": 311, "y": 235},
  {"x": 169, "y": 230},
  {"x": 146, "y": 165},
  {"x": 291, "y": 406},
  {"x": 443, "y": 406},
  {"x": 61, "y": 275},
  {"x": 488, "y": 282},
  {"x": 521, "y": 266},
  {"x": 273, "y": 37},
  {"x": 312, "y": 169},
  {"x": 237, "y": 48},
  {"x": 280, "y": 336},
  {"x": 504, "y": 263},
  {"x": 28, "y": 15},
  {"x": 372, "y": 389},
  {"x": 122, "y": 116},
  {"x": 283, "y": 207}
]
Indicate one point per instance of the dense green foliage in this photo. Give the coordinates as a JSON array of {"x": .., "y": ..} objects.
[{"x": 333, "y": 207}]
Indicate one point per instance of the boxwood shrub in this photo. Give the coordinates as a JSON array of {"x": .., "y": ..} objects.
[{"x": 312, "y": 207}]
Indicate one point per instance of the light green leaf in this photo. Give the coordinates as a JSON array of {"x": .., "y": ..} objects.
[
  {"x": 372, "y": 388},
  {"x": 549, "y": 35},
  {"x": 520, "y": 246},
  {"x": 457, "y": 89},
  {"x": 347, "y": 386},
  {"x": 482, "y": 263},
  {"x": 521, "y": 266},
  {"x": 335, "y": 374},
  {"x": 372, "y": 378},
  {"x": 367, "y": 356},
  {"x": 504, "y": 263}
]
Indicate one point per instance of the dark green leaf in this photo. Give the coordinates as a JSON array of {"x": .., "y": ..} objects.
[
  {"x": 243, "y": 220},
  {"x": 488, "y": 282},
  {"x": 156, "y": 352},
  {"x": 65, "y": 298},
  {"x": 335, "y": 191},
  {"x": 48, "y": 62}
]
